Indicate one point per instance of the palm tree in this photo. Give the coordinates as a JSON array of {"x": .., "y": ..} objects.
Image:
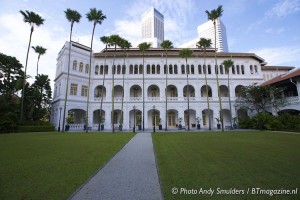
[
  {"x": 213, "y": 15},
  {"x": 114, "y": 40},
  {"x": 96, "y": 17},
  {"x": 144, "y": 46},
  {"x": 34, "y": 20},
  {"x": 124, "y": 44},
  {"x": 228, "y": 64},
  {"x": 204, "y": 44},
  {"x": 40, "y": 51},
  {"x": 105, "y": 41},
  {"x": 166, "y": 45},
  {"x": 72, "y": 16},
  {"x": 185, "y": 53}
]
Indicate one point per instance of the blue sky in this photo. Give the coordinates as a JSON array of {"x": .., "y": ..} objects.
[{"x": 269, "y": 28}]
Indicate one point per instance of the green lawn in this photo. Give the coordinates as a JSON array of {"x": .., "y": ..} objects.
[
  {"x": 227, "y": 160},
  {"x": 52, "y": 165}
]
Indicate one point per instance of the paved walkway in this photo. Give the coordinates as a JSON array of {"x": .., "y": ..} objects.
[{"x": 130, "y": 174}]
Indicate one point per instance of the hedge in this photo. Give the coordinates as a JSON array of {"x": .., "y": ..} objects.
[{"x": 45, "y": 128}]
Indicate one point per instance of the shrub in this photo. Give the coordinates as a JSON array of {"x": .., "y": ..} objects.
[
  {"x": 44, "y": 128},
  {"x": 265, "y": 121}
]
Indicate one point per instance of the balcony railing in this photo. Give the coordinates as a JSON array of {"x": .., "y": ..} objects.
[
  {"x": 171, "y": 99},
  {"x": 292, "y": 99},
  {"x": 99, "y": 98}
]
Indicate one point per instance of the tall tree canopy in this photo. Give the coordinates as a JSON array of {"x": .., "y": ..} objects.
[{"x": 259, "y": 98}]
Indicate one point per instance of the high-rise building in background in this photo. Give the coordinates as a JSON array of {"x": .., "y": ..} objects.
[
  {"x": 153, "y": 27},
  {"x": 207, "y": 31}
]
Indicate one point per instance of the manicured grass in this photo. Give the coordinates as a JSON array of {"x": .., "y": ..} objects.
[
  {"x": 227, "y": 160},
  {"x": 52, "y": 165}
]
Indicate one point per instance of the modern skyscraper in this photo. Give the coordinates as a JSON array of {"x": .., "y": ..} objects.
[
  {"x": 207, "y": 31},
  {"x": 153, "y": 27}
]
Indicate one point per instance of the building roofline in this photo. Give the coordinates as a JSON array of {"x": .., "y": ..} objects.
[
  {"x": 283, "y": 78},
  {"x": 158, "y": 52}
]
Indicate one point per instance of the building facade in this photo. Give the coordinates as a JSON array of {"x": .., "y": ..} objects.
[
  {"x": 207, "y": 31},
  {"x": 152, "y": 27},
  {"x": 183, "y": 84}
]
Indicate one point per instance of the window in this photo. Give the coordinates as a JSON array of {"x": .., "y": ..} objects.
[
  {"x": 216, "y": 69},
  {"x": 153, "y": 69},
  {"x": 199, "y": 69},
  {"x": 188, "y": 69},
  {"x": 221, "y": 69},
  {"x": 192, "y": 69},
  {"x": 251, "y": 69},
  {"x": 141, "y": 69},
  {"x": 242, "y": 69},
  {"x": 96, "y": 69},
  {"x": 87, "y": 68},
  {"x": 182, "y": 69},
  {"x": 113, "y": 69},
  {"x": 75, "y": 65},
  {"x": 101, "y": 69},
  {"x": 119, "y": 69},
  {"x": 175, "y": 69},
  {"x": 81, "y": 67},
  {"x": 148, "y": 69},
  {"x": 209, "y": 69},
  {"x": 153, "y": 92},
  {"x": 233, "y": 70},
  {"x": 84, "y": 91},
  {"x": 130, "y": 69},
  {"x": 238, "y": 69},
  {"x": 170, "y": 69},
  {"x": 158, "y": 69},
  {"x": 123, "y": 69},
  {"x": 255, "y": 69},
  {"x": 135, "y": 92},
  {"x": 106, "y": 69},
  {"x": 136, "y": 69},
  {"x": 73, "y": 90}
]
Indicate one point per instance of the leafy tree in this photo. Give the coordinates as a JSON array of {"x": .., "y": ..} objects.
[
  {"x": 96, "y": 17},
  {"x": 228, "y": 64},
  {"x": 204, "y": 43},
  {"x": 40, "y": 51},
  {"x": 33, "y": 19},
  {"x": 166, "y": 45},
  {"x": 258, "y": 98},
  {"x": 10, "y": 83},
  {"x": 213, "y": 15},
  {"x": 38, "y": 99},
  {"x": 185, "y": 53},
  {"x": 144, "y": 46},
  {"x": 72, "y": 16},
  {"x": 11, "y": 70}
]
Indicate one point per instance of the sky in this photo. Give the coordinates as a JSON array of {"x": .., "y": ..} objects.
[{"x": 268, "y": 28}]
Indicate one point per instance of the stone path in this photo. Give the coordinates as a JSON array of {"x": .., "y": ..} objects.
[{"x": 130, "y": 174}]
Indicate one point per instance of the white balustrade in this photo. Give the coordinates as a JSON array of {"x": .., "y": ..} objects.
[{"x": 292, "y": 99}]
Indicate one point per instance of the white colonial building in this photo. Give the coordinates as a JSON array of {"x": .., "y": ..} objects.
[{"x": 129, "y": 77}]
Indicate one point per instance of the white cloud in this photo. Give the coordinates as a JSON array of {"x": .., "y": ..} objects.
[
  {"x": 16, "y": 36},
  {"x": 283, "y": 8},
  {"x": 279, "y": 55}
]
